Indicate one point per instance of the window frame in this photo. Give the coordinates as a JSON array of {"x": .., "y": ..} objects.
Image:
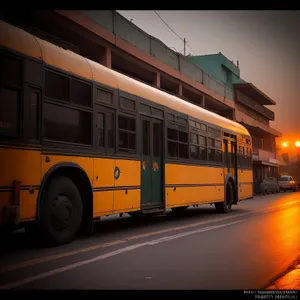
[
  {"x": 70, "y": 105},
  {"x": 19, "y": 88},
  {"x": 179, "y": 127}
]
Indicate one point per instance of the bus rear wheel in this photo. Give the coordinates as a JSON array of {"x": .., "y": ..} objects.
[
  {"x": 225, "y": 206},
  {"x": 60, "y": 211}
]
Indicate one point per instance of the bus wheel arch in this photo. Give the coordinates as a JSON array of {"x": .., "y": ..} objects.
[
  {"x": 79, "y": 177},
  {"x": 230, "y": 180}
]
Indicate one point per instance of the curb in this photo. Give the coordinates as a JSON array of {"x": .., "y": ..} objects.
[{"x": 289, "y": 281}]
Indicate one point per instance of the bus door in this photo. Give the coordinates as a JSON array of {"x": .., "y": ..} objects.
[
  {"x": 233, "y": 161},
  {"x": 230, "y": 157},
  {"x": 152, "y": 162}
]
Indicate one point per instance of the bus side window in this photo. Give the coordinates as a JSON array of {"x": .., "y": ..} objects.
[
  {"x": 34, "y": 109},
  {"x": 127, "y": 134},
  {"x": 10, "y": 95}
]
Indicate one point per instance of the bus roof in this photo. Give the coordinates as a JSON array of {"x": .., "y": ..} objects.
[{"x": 24, "y": 42}]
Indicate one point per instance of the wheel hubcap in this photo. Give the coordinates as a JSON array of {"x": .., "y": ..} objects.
[{"x": 61, "y": 213}]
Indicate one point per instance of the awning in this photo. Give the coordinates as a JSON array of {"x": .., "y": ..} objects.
[
  {"x": 254, "y": 93},
  {"x": 265, "y": 163},
  {"x": 261, "y": 130}
]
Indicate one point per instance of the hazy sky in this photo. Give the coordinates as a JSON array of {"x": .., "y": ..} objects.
[{"x": 266, "y": 44}]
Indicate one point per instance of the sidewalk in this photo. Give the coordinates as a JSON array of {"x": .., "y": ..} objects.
[{"x": 289, "y": 281}]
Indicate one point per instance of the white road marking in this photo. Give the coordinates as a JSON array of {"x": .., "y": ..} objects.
[{"x": 110, "y": 254}]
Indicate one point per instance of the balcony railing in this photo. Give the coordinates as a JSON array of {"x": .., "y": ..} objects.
[{"x": 240, "y": 97}]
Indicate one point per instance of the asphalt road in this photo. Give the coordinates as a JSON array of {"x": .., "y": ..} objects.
[{"x": 245, "y": 249}]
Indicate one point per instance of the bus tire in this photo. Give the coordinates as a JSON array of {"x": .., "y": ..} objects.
[
  {"x": 60, "y": 211},
  {"x": 225, "y": 206},
  {"x": 179, "y": 210}
]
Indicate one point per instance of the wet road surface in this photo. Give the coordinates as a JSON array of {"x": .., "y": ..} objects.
[{"x": 245, "y": 249}]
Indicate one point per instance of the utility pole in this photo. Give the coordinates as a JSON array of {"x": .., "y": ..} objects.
[{"x": 184, "y": 42}]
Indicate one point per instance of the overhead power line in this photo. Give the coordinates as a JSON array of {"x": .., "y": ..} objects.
[
  {"x": 168, "y": 26},
  {"x": 191, "y": 49},
  {"x": 185, "y": 43},
  {"x": 182, "y": 39}
]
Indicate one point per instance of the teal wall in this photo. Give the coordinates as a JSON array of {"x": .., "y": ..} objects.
[{"x": 218, "y": 66}]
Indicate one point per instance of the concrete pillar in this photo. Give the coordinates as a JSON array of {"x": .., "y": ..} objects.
[
  {"x": 203, "y": 101},
  {"x": 156, "y": 80},
  {"x": 179, "y": 91},
  {"x": 105, "y": 58}
]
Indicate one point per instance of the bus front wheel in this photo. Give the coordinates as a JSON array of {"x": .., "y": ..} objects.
[
  {"x": 60, "y": 211},
  {"x": 225, "y": 206}
]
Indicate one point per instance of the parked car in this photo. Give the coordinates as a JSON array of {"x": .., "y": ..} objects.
[
  {"x": 269, "y": 185},
  {"x": 287, "y": 182}
]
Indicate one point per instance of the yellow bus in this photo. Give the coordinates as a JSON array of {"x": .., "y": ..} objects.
[{"x": 79, "y": 141}]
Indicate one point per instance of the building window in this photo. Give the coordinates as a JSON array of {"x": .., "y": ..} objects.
[{"x": 227, "y": 75}]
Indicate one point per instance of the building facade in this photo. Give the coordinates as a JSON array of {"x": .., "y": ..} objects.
[
  {"x": 251, "y": 111},
  {"x": 210, "y": 81}
]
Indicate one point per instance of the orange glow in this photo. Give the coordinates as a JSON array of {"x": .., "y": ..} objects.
[
  {"x": 297, "y": 144},
  {"x": 284, "y": 144}
]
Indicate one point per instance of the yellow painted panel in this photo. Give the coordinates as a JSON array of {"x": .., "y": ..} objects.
[
  {"x": 184, "y": 174},
  {"x": 244, "y": 190},
  {"x": 103, "y": 203},
  {"x": 193, "y": 195},
  {"x": 130, "y": 172},
  {"x": 18, "y": 164},
  {"x": 86, "y": 163},
  {"x": 126, "y": 202},
  {"x": 28, "y": 205},
  {"x": 247, "y": 176},
  {"x": 104, "y": 172},
  {"x": 247, "y": 191}
]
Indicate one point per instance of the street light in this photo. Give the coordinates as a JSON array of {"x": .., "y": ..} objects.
[
  {"x": 297, "y": 144},
  {"x": 284, "y": 144}
]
